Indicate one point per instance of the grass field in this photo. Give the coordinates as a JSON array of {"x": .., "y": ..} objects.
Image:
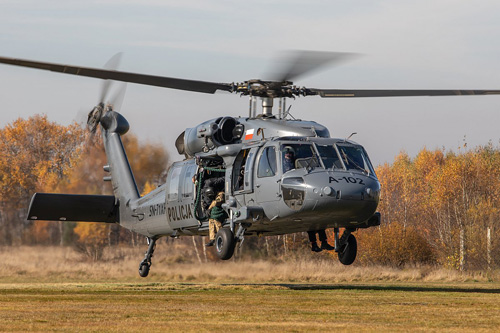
[
  {"x": 54, "y": 289},
  {"x": 252, "y": 307}
]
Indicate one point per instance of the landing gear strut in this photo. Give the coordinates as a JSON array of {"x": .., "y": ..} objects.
[
  {"x": 346, "y": 246},
  {"x": 145, "y": 264}
]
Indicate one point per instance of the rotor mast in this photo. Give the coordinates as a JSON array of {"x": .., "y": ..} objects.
[{"x": 267, "y": 107}]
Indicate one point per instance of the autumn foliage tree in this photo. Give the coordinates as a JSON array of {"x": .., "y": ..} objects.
[
  {"x": 442, "y": 206},
  {"x": 35, "y": 154}
]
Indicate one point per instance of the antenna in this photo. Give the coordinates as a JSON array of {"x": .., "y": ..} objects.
[
  {"x": 287, "y": 113},
  {"x": 350, "y": 136}
]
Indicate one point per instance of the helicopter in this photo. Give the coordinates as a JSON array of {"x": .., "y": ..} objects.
[{"x": 328, "y": 183}]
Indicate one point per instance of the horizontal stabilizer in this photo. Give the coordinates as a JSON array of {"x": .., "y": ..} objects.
[{"x": 71, "y": 207}]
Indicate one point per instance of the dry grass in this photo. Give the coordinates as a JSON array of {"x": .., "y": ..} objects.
[{"x": 55, "y": 264}]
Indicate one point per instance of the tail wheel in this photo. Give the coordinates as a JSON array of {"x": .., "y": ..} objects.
[
  {"x": 224, "y": 244},
  {"x": 348, "y": 253}
]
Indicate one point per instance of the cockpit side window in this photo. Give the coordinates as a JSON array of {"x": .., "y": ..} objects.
[
  {"x": 267, "y": 163},
  {"x": 296, "y": 156},
  {"x": 329, "y": 156}
]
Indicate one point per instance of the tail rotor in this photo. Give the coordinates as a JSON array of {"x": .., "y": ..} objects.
[{"x": 104, "y": 104}]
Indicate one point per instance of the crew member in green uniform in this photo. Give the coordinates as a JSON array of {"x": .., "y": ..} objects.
[{"x": 217, "y": 216}]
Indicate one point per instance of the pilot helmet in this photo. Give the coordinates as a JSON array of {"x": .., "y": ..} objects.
[
  {"x": 209, "y": 192},
  {"x": 288, "y": 150}
]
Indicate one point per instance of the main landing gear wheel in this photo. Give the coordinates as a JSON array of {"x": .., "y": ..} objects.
[
  {"x": 347, "y": 253},
  {"x": 224, "y": 244}
]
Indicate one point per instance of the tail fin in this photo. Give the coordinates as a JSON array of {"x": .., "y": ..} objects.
[{"x": 122, "y": 178}]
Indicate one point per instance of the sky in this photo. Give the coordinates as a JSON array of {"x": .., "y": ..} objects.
[{"x": 438, "y": 44}]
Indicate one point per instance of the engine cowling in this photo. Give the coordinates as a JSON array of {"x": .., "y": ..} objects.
[{"x": 209, "y": 135}]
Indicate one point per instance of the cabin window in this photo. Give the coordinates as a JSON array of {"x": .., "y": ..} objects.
[
  {"x": 267, "y": 163},
  {"x": 173, "y": 181},
  {"x": 188, "y": 181}
]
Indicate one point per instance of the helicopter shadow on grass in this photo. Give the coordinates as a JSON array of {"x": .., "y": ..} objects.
[{"x": 368, "y": 287}]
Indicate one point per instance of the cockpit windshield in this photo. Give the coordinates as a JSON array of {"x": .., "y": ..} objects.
[
  {"x": 340, "y": 156},
  {"x": 329, "y": 156},
  {"x": 355, "y": 158}
]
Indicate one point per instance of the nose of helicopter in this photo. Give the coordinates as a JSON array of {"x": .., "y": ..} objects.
[{"x": 346, "y": 196}]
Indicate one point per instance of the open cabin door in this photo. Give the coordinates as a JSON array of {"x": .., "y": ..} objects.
[{"x": 243, "y": 175}]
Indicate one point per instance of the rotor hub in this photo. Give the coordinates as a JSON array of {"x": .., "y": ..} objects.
[{"x": 270, "y": 89}]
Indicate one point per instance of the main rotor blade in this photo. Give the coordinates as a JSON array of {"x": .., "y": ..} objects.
[
  {"x": 295, "y": 64},
  {"x": 150, "y": 80},
  {"x": 345, "y": 93}
]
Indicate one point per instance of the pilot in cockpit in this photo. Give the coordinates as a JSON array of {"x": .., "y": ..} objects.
[{"x": 289, "y": 159}]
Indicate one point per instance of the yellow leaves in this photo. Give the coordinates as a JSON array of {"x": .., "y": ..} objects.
[
  {"x": 436, "y": 180},
  {"x": 441, "y": 194},
  {"x": 93, "y": 233},
  {"x": 148, "y": 187},
  {"x": 92, "y": 239},
  {"x": 147, "y": 160},
  {"x": 394, "y": 245},
  {"x": 35, "y": 155},
  {"x": 41, "y": 232}
]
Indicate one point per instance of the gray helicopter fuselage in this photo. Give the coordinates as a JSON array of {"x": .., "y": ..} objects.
[{"x": 320, "y": 190}]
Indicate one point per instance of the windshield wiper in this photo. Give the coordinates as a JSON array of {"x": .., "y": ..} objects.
[{"x": 348, "y": 159}]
